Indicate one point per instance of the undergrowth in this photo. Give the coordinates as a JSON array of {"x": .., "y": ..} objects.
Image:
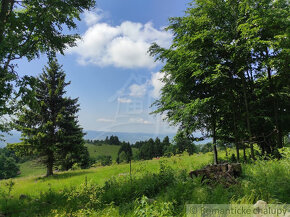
[{"x": 160, "y": 193}]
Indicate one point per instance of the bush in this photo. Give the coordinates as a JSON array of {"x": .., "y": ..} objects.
[
  {"x": 8, "y": 168},
  {"x": 104, "y": 160},
  {"x": 157, "y": 209}
]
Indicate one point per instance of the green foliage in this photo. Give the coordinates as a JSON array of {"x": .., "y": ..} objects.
[
  {"x": 49, "y": 123},
  {"x": 103, "y": 149},
  {"x": 227, "y": 72},
  {"x": 207, "y": 147},
  {"x": 5, "y": 193},
  {"x": 152, "y": 189},
  {"x": 9, "y": 168},
  {"x": 113, "y": 140},
  {"x": 104, "y": 160},
  {"x": 233, "y": 158},
  {"x": 125, "y": 153},
  {"x": 154, "y": 148},
  {"x": 144, "y": 208},
  {"x": 39, "y": 26},
  {"x": 183, "y": 143},
  {"x": 263, "y": 178}
]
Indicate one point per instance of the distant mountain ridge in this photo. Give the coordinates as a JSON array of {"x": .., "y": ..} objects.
[
  {"x": 101, "y": 135},
  {"x": 127, "y": 137},
  {"x": 94, "y": 135}
]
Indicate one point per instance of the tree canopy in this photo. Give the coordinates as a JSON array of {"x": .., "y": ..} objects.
[
  {"x": 227, "y": 72},
  {"x": 49, "y": 122},
  {"x": 27, "y": 29}
]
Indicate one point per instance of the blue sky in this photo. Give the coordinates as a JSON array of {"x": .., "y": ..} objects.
[{"x": 110, "y": 71}]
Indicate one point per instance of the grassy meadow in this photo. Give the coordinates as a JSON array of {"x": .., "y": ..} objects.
[
  {"x": 158, "y": 187},
  {"x": 33, "y": 168},
  {"x": 98, "y": 150}
]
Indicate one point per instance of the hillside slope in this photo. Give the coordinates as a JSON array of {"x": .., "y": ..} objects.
[
  {"x": 33, "y": 168},
  {"x": 110, "y": 191}
]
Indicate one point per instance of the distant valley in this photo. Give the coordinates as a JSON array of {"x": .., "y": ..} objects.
[
  {"x": 101, "y": 135},
  {"x": 97, "y": 135}
]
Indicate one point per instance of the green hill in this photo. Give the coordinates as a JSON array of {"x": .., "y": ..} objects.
[
  {"x": 33, "y": 168},
  {"x": 111, "y": 150}
]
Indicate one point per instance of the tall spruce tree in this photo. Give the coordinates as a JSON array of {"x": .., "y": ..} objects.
[
  {"x": 28, "y": 28},
  {"x": 49, "y": 123}
]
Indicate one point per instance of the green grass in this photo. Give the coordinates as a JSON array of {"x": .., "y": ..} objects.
[
  {"x": 109, "y": 191},
  {"x": 111, "y": 150},
  {"x": 31, "y": 168},
  {"x": 33, "y": 185}
]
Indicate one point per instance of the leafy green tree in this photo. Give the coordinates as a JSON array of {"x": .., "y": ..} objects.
[
  {"x": 183, "y": 143},
  {"x": 125, "y": 152},
  {"x": 206, "y": 147},
  {"x": 39, "y": 25},
  {"x": 9, "y": 168},
  {"x": 49, "y": 123},
  {"x": 226, "y": 72},
  {"x": 114, "y": 140},
  {"x": 166, "y": 141},
  {"x": 158, "y": 148},
  {"x": 147, "y": 151},
  {"x": 104, "y": 160}
]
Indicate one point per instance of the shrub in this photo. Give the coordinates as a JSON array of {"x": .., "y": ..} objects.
[
  {"x": 8, "y": 168},
  {"x": 155, "y": 209},
  {"x": 104, "y": 160}
]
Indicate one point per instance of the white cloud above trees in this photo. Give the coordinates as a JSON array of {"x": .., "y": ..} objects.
[
  {"x": 125, "y": 45},
  {"x": 138, "y": 90},
  {"x": 92, "y": 18},
  {"x": 157, "y": 84},
  {"x": 124, "y": 100}
]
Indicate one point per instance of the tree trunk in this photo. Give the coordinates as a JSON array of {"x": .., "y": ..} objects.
[
  {"x": 235, "y": 134},
  {"x": 49, "y": 166},
  {"x": 275, "y": 105},
  {"x": 238, "y": 151},
  {"x": 215, "y": 154},
  {"x": 248, "y": 117},
  {"x": 244, "y": 150}
]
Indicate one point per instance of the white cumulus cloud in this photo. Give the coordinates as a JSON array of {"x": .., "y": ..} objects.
[
  {"x": 105, "y": 120},
  {"x": 138, "y": 90},
  {"x": 139, "y": 121},
  {"x": 157, "y": 84},
  {"x": 124, "y": 46},
  {"x": 124, "y": 100},
  {"x": 92, "y": 18}
]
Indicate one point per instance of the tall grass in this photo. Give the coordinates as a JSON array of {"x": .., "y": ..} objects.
[{"x": 156, "y": 188}]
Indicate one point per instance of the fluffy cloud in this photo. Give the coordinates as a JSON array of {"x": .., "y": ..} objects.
[
  {"x": 157, "y": 84},
  {"x": 139, "y": 121},
  {"x": 92, "y": 18},
  {"x": 138, "y": 90},
  {"x": 105, "y": 120},
  {"x": 124, "y": 100},
  {"x": 124, "y": 46}
]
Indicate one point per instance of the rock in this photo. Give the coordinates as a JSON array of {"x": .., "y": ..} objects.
[{"x": 260, "y": 204}]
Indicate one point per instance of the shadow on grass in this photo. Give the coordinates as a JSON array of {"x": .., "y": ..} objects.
[{"x": 64, "y": 175}]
